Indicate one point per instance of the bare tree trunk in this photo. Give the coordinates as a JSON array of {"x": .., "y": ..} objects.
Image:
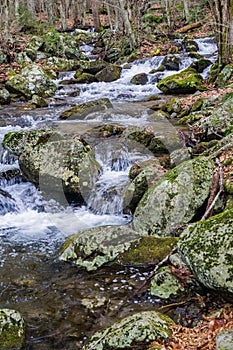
[
  {"x": 49, "y": 8},
  {"x": 31, "y": 8},
  {"x": 127, "y": 24},
  {"x": 95, "y": 14},
  {"x": 62, "y": 14},
  {"x": 186, "y": 10}
]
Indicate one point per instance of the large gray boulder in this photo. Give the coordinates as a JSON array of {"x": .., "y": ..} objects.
[
  {"x": 97, "y": 246},
  {"x": 133, "y": 331},
  {"x": 12, "y": 330},
  {"x": 207, "y": 248},
  {"x": 175, "y": 199},
  {"x": 32, "y": 80},
  {"x": 58, "y": 163}
]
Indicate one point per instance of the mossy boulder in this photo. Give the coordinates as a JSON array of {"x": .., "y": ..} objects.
[
  {"x": 207, "y": 249},
  {"x": 12, "y": 330},
  {"x": 97, "y": 246},
  {"x": 190, "y": 45},
  {"x": 165, "y": 285},
  {"x": 149, "y": 174},
  {"x": 32, "y": 80},
  {"x": 139, "y": 79},
  {"x": 184, "y": 82},
  {"x": 201, "y": 64},
  {"x": 81, "y": 110},
  {"x": 134, "y": 331},
  {"x": 59, "y": 64},
  {"x": 175, "y": 199},
  {"x": 148, "y": 250},
  {"x": 84, "y": 78},
  {"x": 171, "y": 62},
  {"x": 92, "y": 67},
  {"x": 110, "y": 73},
  {"x": 5, "y": 96},
  {"x": 224, "y": 340},
  {"x": 219, "y": 123},
  {"x": 61, "y": 165}
]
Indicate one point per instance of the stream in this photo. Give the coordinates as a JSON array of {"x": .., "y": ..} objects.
[{"x": 61, "y": 304}]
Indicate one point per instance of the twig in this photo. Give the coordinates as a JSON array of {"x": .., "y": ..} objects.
[{"x": 211, "y": 206}]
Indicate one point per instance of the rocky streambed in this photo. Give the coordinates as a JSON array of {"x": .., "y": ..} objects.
[{"x": 102, "y": 177}]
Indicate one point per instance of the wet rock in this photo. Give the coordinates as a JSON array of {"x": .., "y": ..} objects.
[
  {"x": 64, "y": 167},
  {"x": 4, "y": 96},
  {"x": 224, "y": 340},
  {"x": 84, "y": 78},
  {"x": 92, "y": 67},
  {"x": 39, "y": 101},
  {"x": 147, "y": 176},
  {"x": 32, "y": 80},
  {"x": 148, "y": 250},
  {"x": 12, "y": 332},
  {"x": 171, "y": 62},
  {"x": 190, "y": 45},
  {"x": 95, "y": 247},
  {"x": 80, "y": 111},
  {"x": 200, "y": 65},
  {"x": 206, "y": 247},
  {"x": 165, "y": 285},
  {"x": 187, "y": 81},
  {"x": 59, "y": 64},
  {"x": 139, "y": 79},
  {"x": 175, "y": 199},
  {"x": 110, "y": 73},
  {"x": 133, "y": 331}
]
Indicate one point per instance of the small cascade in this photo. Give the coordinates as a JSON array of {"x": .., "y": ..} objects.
[{"x": 106, "y": 196}]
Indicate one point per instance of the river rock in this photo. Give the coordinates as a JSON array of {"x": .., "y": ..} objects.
[
  {"x": 92, "y": 67},
  {"x": 224, "y": 340},
  {"x": 175, "y": 199},
  {"x": 32, "y": 80},
  {"x": 201, "y": 64},
  {"x": 206, "y": 247},
  {"x": 219, "y": 123},
  {"x": 59, "y": 164},
  {"x": 171, "y": 62},
  {"x": 164, "y": 284},
  {"x": 150, "y": 172},
  {"x": 148, "y": 250},
  {"x": 12, "y": 330},
  {"x": 81, "y": 110},
  {"x": 84, "y": 78},
  {"x": 110, "y": 73},
  {"x": 4, "y": 96},
  {"x": 184, "y": 82},
  {"x": 135, "y": 330},
  {"x": 139, "y": 79},
  {"x": 190, "y": 45},
  {"x": 97, "y": 246}
]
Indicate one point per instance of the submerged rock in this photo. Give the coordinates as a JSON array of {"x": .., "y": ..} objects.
[
  {"x": 164, "y": 284},
  {"x": 133, "y": 331},
  {"x": 80, "y": 111},
  {"x": 58, "y": 163},
  {"x": 207, "y": 249},
  {"x": 32, "y": 80},
  {"x": 12, "y": 332},
  {"x": 175, "y": 199},
  {"x": 184, "y": 82}
]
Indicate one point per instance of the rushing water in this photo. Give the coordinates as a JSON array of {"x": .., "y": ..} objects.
[{"x": 51, "y": 295}]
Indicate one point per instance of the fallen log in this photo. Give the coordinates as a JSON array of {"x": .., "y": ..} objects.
[{"x": 191, "y": 26}]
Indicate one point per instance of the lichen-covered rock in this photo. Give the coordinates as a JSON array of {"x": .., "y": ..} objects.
[
  {"x": 224, "y": 76},
  {"x": 59, "y": 164},
  {"x": 171, "y": 62},
  {"x": 151, "y": 172},
  {"x": 219, "y": 122},
  {"x": 207, "y": 249},
  {"x": 224, "y": 340},
  {"x": 97, "y": 246},
  {"x": 84, "y": 78},
  {"x": 92, "y": 67},
  {"x": 110, "y": 73},
  {"x": 175, "y": 199},
  {"x": 139, "y": 79},
  {"x": 39, "y": 101},
  {"x": 186, "y": 81},
  {"x": 4, "y": 96},
  {"x": 148, "y": 250},
  {"x": 164, "y": 284},
  {"x": 81, "y": 110},
  {"x": 32, "y": 80},
  {"x": 59, "y": 64},
  {"x": 133, "y": 331},
  {"x": 12, "y": 331}
]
